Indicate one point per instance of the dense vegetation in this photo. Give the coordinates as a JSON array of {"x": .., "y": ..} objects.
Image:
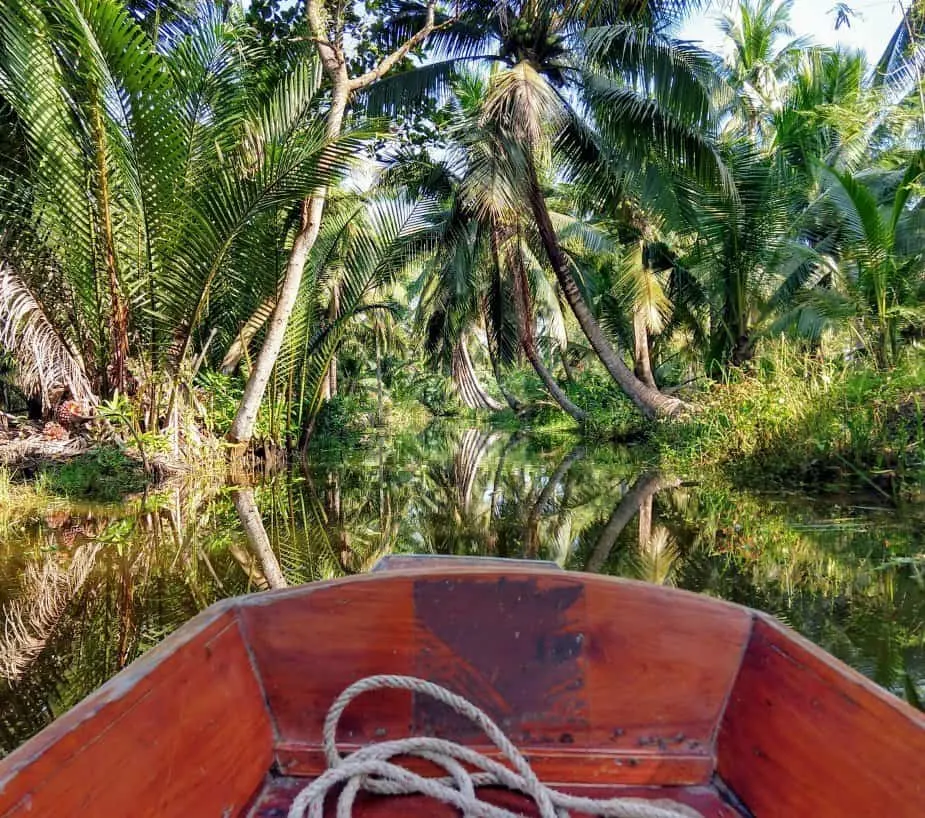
[{"x": 284, "y": 223}]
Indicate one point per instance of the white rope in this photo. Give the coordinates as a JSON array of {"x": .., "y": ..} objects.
[{"x": 372, "y": 769}]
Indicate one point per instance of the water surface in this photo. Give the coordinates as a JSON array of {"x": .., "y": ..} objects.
[{"x": 85, "y": 590}]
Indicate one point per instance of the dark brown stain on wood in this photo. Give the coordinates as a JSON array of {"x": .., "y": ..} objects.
[{"x": 511, "y": 646}]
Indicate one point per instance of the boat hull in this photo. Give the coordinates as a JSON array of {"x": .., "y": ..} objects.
[{"x": 606, "y": 685}]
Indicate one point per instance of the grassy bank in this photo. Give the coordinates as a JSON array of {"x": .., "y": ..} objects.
[{"x": 817, "y": 426}]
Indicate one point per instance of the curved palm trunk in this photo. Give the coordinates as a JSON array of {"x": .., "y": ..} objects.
[
  {"x": 471, "y": 392},
  {"x": 238, "y": 348},
  {"x": 524, "y": 311},
  {"x": 533, "y": 520},
  {"x": 634, "y": 501},
  {"x": 242, "y": 428},
  {"x": 643, "y": 361},
  {"x": 649, "y": 401},
  {"x": 257, "y": 537}
]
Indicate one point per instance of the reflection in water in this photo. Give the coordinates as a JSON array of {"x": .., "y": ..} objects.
[
  {"x": 85, "y": 591},
  {"x": 269, "y": 574}
]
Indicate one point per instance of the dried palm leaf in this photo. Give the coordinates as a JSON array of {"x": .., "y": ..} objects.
[{"x": 44, "y": 361}]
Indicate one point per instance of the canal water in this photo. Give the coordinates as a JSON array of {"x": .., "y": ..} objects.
[{"x": 86, "y": 589}]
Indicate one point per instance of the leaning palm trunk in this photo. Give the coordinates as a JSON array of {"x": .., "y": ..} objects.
[
  {"x": 257, "y": 538},
  {"x": 635, "y": 501},
  {"x": 242, "y": 428},
  {"x": 470, "y": 390},
  {"x": 649, "y": 401},
  {"x": 238, "y": 348},
  {"x": 522, "y": 308},
  {"x": 643, "y": 361}
]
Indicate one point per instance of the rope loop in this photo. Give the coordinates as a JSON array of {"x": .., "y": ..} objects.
[{"x": 373, "y": 768}]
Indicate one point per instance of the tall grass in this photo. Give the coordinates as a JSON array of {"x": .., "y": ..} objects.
[{"x": 803, "y": 421}]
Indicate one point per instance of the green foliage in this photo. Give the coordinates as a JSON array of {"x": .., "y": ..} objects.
[
  {"x": 340, "y": 421},
  {"x": 220, "y": 396},
  {"x": 104, "y": 474},
  {"x": 819, "y": 425}
]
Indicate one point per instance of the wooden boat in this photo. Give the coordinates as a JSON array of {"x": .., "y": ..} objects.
[{"x": 610, "y": 687}]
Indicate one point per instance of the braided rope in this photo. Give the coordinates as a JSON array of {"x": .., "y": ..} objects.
[{"x": 372, "y": 768}]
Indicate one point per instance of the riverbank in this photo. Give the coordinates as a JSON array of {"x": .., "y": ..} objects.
[
  {"x": 787, "y": 423},
  {"x": 816, "y": 427}
]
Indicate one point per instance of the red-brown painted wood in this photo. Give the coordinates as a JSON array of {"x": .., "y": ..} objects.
[
  {"x": 564, "y": 662},
  {"x": 276, "y": 798},
  {"x": 805, "y": 737},
  {"x": 183, "y": 732},
  {"x": 555, "y": 766}
]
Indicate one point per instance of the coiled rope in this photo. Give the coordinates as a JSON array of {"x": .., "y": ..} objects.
[{"x": 373, "y": 769}]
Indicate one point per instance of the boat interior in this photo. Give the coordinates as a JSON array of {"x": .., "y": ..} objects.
[{"x": 608, "y": 687}]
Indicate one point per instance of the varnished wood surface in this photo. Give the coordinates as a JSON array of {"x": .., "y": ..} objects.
[
  {"x": 277, "y": 796},
  {"x": 184, "y": 732},
  {"x": 805, "y": 737},
  {"x": 555, "y": 766},
  {"x": 450, "y": 563},
  {"x": 563, "y": 662}
]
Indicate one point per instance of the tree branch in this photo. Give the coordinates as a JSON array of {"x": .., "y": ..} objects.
[
  {"x": 389, "y": 62},
  {"x": 332, "y": 58}
]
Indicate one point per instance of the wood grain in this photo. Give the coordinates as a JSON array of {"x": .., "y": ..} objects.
[
  {"x": 567, "y": 664},
  {"x": 554, "y": 766},
  {"x": 182, "y": 732},
  {"x": 277, "y": 797},
  {"x": 806, "y": 737}
]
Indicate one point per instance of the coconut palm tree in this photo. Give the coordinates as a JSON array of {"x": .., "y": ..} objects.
[
  {"x": 882, "y": 245},
  {"x": 762, "y": 54},
  {"x": 487, "y": 269},
  {"x": 610, "y": 96}
]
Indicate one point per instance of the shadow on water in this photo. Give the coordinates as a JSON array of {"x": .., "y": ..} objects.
[{"x": 85, "y": 590}]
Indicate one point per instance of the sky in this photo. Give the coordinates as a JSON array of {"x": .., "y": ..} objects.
[{"x": 871, "y": 27}]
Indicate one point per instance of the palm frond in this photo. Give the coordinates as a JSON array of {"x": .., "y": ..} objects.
[{"x": 44, "y": 360}]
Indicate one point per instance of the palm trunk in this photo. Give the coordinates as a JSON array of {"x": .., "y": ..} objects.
[
  {"x": 649, "y": 401},
  {"x": 471, "y": 392},
  {"x": 643, "y": 490},
  {"x": 242, "y": 428},
  {"x": 117, "y": 372},
  {"x": 524, "y": 311},
  {"x": 238, "y": 348},
  {"x": 257, "y": 538},
  {"x": 643, "y": 362}
]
